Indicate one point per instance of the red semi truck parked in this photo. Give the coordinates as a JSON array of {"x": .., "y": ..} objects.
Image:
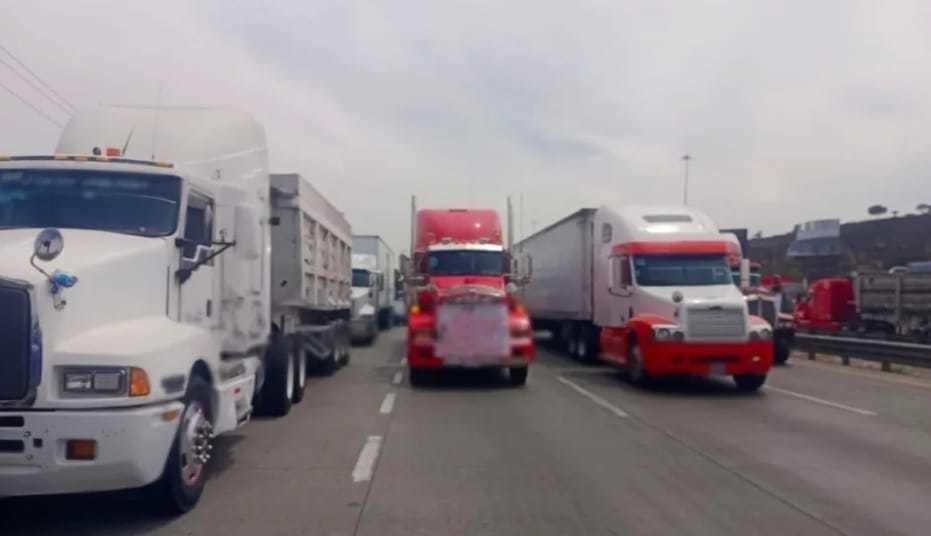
[
  {"x": 462, "y": 310},
  {"x": 873, "y": 304}
]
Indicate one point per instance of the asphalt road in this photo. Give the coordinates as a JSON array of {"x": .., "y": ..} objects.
[{"x": 821, "y": 450}]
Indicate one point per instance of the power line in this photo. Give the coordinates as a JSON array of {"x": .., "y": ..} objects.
[
  {"x": 34, "y": 75},
  {"x": 36, "y": 87},
  {"x": 35, "y": 108}
]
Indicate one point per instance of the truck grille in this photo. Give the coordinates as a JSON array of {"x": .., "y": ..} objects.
[
  {"x": 14, "y": 343},
  {"x": 716, "y": 323},
  {"x": 472, "y": 330}
]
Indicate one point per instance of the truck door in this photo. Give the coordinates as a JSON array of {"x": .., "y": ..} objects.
[{"x": 197, "y": 304}]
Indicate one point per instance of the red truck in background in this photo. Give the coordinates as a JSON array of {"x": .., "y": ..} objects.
[
  {"x": 462, "y": 309},
  {"x": 894, "y": 304}
]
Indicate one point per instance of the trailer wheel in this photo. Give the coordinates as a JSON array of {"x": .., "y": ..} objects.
[
  {"x": 570, "y": 337},
  {"x": 518, "y": 375},
  {"x": 278, "y": 391},
  {"x": 586, "y": 346},
  {"x": 781, "y": 350},
  {"x": 184, "y": 477},
  {"x": 749, "y": 383},
  {"x": 418, "y": 376},
  {"x": 636, "y": 373},
  {"x": 300, "y": 371}
]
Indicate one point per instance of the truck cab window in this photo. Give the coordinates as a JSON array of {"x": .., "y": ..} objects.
[
  {"x": 198, "y": 224},
  {"x": 620, "y": 272}
]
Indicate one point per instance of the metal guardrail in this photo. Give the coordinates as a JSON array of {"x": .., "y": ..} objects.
[{"x": 882, "y": 351}]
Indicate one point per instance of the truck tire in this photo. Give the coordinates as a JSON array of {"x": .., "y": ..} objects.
[
  {"x": 418, "y": 376},
  {"x": 587, "y": 344},
  {"x": 635, "y": 371},
  {"x": 278, "y": 391},
  {"x": 184, "y": 477},
  {"x": 569, "y": 336},
  {"x": 781, "y": 350},
  {"x": 300, "y": 371},
  {"x": 749, "y": 383},
  {"x": 518, "y": 375}
]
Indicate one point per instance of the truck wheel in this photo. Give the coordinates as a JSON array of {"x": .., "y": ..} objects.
[
  {"x": 418, "y": 376},
  {"x": 278, "y": 391},
  {"x": 749, "y": 383},
  {"x": 781, "y": 350},
  {"x": 567, "y": 335},
  {"x": 300, "y": 372},
  {"x": 518, "y": 375},
  {"x": 586, "y": 345},
  {"x": 182, "y": 483},
  {"x": 636, "y": 373}
]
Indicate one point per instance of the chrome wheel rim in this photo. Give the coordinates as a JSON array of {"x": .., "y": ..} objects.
[{"x": 196, "y": 433}]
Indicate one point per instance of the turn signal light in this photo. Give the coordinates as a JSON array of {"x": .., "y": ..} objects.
[
  {"x": 81, "y": 449},
  {"x": 138, "y": 382},
  {"x": 415, "y": 309}
]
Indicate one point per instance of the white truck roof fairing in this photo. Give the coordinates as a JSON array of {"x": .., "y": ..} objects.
[
  {"x": 465, "y": 246},
  {"x": 206, "y": 143},
  {"x": 660, "y": 224}
]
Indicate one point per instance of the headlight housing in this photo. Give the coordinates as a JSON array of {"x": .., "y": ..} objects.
[
  {"x": 104, "y": 381},
  {"x": 668, "y": 333},
  {"x": 761, "y": 334}
]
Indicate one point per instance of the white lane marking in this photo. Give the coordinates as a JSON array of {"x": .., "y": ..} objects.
[
  {"x": 387, "y": 404},
  {"x": 365, "y": 466},
  {"x": 404, "y": 362},
  {"x": 595, "y": 398},
  {"x": 821, "y": 401},
  {"x": 398, "y": 377}
]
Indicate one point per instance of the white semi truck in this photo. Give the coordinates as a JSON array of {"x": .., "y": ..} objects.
[
  {"x": 374, "y": 256},
  {"x": 646, "y": 288},
  {"x": 137, "y": 316}
]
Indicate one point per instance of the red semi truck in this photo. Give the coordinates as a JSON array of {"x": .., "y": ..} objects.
[
  {"x": 873, "y": 304},
  {"x": 463, "y": 313}
]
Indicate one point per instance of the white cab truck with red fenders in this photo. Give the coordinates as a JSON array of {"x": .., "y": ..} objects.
[
  {"x": 137, "y": 316},
  {"x": 646, "y": 288}
]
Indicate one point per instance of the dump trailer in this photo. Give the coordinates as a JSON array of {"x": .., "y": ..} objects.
[
  {"x": 380, "y": 262},
  {"x": 311, "y": 271},
  {"x": 646, "y": 288},
  {"x": 137, "y": 316}
]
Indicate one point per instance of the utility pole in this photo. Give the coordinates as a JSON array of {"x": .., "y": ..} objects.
[{"x": 685, "y": 183}]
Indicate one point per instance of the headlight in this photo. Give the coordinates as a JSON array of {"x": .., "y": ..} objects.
[
  {"x": 762, "y": 334},
  {"x": 111, "y": 381},
  {"x": 667, "y": 333}
]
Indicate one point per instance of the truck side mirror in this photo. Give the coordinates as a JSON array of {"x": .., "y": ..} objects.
[{"x": 246, "y": 229}]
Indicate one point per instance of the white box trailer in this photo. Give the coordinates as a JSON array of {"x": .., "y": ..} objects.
[
  {"x": 647, "y": 288},
  {"x": 384, "y": 268}
]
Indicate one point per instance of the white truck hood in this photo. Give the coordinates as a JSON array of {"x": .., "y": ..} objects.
[{"x": 119, "y": 278}]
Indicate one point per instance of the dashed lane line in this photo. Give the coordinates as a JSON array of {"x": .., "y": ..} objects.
[
  {"x": 618, "y": 412},
  {"x": 365, "y": 465},
  {"x": 398, "y": 377},
  {"x": 387, "y": 404},
  {"x": 821, "y": 401}
]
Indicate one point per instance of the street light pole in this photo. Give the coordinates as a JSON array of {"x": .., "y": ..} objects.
[{"x": 685, "y": 182}]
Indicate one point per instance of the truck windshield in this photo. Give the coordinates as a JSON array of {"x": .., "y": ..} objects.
[
  {"x": 681, "y": 270},
  {"x": 361, "y": 278},
  {"x": 466, "y": 262},
  {"x": 133, "y": 203}
]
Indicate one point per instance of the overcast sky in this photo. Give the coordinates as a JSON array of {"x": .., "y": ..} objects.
[{"x": 792, "y": 110}]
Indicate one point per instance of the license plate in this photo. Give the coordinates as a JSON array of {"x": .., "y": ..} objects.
[{"x": 717, "y": 369}]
